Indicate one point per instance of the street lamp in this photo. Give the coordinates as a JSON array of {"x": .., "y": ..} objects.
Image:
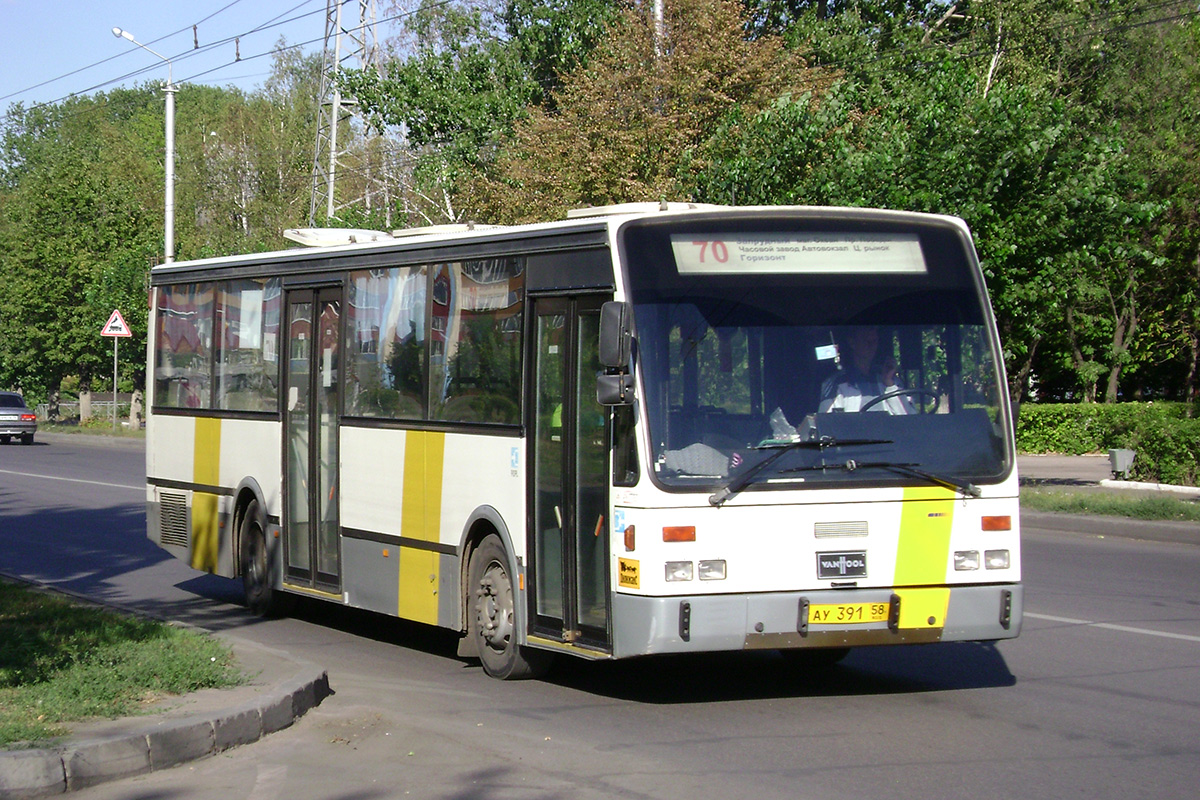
[{"x": 169, "y": 198}]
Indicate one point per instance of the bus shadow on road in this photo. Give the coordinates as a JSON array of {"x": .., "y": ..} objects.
[
  {"x": 100, "y": 553},
  {"x": 707, "y": 678}
]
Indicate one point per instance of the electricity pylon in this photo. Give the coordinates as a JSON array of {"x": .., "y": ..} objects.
[{"x": 347, "y": 44}]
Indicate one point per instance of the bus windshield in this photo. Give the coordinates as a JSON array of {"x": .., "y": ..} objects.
[{"x": 874, "y": 345}]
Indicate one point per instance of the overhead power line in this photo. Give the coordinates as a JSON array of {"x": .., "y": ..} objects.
[{"x": 195, "y": 50}]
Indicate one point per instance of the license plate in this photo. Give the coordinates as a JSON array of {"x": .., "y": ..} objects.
[
  {"x": 847, "y": 613},
  {"x": 9, "y": 417}
]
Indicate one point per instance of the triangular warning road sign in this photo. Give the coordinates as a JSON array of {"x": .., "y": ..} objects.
[{"x": 116, "y": 325}]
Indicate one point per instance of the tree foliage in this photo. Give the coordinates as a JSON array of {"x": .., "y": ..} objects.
[
  {"x": 74, "y": 237},
  {"x": 81, "y": 212},
  {"x": 618, "y": 129}
]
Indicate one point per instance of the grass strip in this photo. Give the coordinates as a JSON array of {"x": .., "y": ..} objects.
[
  {"x": 1132, "y": 504},
  {"x": 63, "y": 662}
]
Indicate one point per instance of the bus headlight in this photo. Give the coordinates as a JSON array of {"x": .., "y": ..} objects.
[
  {"x": 966, "y": 560},
  {"x": 996, "y": 559},
  {"x": 679, "y": 570},
  {"x": 712, "y": 570}
]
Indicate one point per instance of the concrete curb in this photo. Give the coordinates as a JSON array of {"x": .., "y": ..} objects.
[
  {"x": 1167, "y": 488},
  {"x": 163, "y": 742},
  {"x": 91, "y": 440}
]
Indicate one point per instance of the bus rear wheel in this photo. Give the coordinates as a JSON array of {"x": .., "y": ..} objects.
[
  {"x": 261, "y": 597},
  {"x": 492, "y": 614}
]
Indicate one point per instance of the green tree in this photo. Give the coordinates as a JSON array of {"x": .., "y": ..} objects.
[
  {"x": 471, "y": 77},
  {"x": 619, "y": 127},
  {"x": 1152, "y": 91},
  {"x": 245, "y": 161},
  {"x": 1042, "y": 195},
  {"x": 76, "y": 236},
  {"x": 452, "y": 100}
]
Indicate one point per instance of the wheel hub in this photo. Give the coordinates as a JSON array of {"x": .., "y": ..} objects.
[{"x": 494, "y": 608}]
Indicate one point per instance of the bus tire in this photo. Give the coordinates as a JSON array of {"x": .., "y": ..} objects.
[
  {"x": 261, "y": 597},
  {"x": 492, "y": 613}
]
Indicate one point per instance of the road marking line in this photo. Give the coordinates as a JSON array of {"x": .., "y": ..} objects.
[
  {"x": 1114, "y": 627},
  {"x": 72, "y": 480}
]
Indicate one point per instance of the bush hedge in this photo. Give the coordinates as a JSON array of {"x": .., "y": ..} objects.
[{"x": 1163, "y": 436}]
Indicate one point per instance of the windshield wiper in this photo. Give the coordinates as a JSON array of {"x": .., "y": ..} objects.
[
  {"x": 744, "y": 480},
  {"x": 912, "y": 470}
]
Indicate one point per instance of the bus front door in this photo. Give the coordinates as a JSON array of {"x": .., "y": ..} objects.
[
  {"x": 569, "y": 530},
  {"x": 310, "y": 440}
]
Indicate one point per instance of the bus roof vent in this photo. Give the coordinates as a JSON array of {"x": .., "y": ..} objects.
[
  {"x": 437, "y": 230},
  {"x": 326, "y": 237},
  {"x": 636, "y": 208}
]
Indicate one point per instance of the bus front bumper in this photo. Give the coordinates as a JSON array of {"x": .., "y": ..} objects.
[{"x": 794, "y": 620}]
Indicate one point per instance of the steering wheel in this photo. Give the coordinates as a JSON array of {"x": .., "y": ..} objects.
[{"x": 899, "y": 393}]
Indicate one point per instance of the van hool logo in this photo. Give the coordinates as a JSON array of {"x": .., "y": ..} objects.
[{"x": 842, "y": 565}]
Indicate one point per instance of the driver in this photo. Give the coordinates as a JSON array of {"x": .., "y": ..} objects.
[{"x": 862, "y": 379}]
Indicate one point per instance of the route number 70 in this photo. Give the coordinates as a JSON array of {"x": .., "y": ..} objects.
[{"x": 720, "y": 252}]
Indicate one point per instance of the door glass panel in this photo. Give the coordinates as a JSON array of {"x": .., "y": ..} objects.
[
  {"x": 327, "y": 444},
  {"x": 591, "y": 471},
  {"x": 548, "y": 464},
  {"x": 300, "y": 337}
]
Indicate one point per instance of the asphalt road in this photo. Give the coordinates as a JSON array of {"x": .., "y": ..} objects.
[{"x": 1097, "y": 698}]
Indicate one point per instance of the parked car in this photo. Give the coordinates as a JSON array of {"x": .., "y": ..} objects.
[{"x": 16, "y": 419}]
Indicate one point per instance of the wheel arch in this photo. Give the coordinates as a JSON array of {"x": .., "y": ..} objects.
[{"x": 484, "y": 521}]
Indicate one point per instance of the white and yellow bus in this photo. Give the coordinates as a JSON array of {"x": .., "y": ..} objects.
[{"x": 643, "y": 429}]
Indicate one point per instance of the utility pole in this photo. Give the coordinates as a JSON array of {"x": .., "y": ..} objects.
[
  {"x": 356, "y": 43},
  {"x": 169, "y": 189}
]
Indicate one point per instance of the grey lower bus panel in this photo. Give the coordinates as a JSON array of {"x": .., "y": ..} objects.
[
  {"x": 649, "y": 625},
  {"x": 376, "y": 584}
]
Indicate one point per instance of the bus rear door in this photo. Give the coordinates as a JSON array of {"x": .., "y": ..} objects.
[{"x": 310, "y": 440}]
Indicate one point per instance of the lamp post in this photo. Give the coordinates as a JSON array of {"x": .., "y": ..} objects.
[{"x": 169, "y": 197}]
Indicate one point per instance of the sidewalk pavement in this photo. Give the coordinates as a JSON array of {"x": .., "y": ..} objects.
[{"x": 282, "y": 689}]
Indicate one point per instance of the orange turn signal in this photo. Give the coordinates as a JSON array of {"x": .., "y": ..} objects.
[
  {"x": 1003, "y": 523},
  {"x": 630, "y": 539},
  {"x": 682, "y": 533}
]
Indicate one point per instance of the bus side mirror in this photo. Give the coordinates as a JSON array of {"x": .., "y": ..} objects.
[
  {"x": 614, "y": 390},
  {"x": 614, "y": 335}
]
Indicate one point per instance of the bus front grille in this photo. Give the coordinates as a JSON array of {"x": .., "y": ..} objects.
[{"x": 829, "y": 530}]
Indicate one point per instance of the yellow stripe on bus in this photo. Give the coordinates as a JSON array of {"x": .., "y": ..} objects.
[
  {"x": 206, "y": 471},
  {"x": 923, "y": 608},
  {"x": 924, "y": 547},
  {"x": 421, "y": 518}
]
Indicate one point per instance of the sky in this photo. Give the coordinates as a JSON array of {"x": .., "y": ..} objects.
[{"x": 51, "y": 49}]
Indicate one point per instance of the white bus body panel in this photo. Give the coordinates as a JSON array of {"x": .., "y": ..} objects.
[
  {"x": 189, "y": 455},
  {"x": 905, "y": 539}
]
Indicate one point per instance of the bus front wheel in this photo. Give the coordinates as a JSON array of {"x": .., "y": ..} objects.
[{"x": 492, "y": 614}]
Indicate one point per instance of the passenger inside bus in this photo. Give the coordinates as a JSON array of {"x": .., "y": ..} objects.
[{"x": 863, "y": 381}]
